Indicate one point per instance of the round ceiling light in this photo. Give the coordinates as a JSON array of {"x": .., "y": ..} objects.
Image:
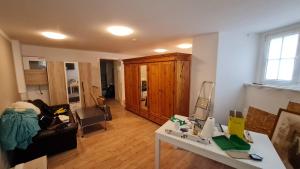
[
  {"x": 120, "y": 30},
  {"x": 185, "y": 45},
  {"x": 53, "y": 35},
  {"x": 160, "y": 50}
]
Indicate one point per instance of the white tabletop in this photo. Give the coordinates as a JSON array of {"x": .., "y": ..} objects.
[
  {"x": 261, "y": 146},
  {"x": 39, "y": 163}
]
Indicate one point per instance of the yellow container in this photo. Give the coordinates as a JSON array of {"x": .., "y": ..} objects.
[{"x": 236, "y": 124}]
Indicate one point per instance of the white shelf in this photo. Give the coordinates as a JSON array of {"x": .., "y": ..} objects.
[{"x": 292, "y": 88}]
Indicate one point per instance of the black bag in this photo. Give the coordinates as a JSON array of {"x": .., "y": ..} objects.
[{"x": 45, "y": 121}]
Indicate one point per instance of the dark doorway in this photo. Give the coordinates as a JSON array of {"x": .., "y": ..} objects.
[{"x": 107, "y": 78}]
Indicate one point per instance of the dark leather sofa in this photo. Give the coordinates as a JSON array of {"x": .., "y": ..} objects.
[{"x": 47, "y": 142}]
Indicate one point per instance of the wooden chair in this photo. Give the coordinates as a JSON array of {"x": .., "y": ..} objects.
[
  {"x": 99, "y": 100},
  {"x": 260, "y": 121},
  {"x": 295, "y": 107},
  {"x": 294, "y": 156}
]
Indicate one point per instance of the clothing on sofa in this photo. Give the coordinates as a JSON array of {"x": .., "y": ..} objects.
[
  {"x": 18, "y": 128},
  {"x": 47, "y": 141},
  {"x": 20, "y": 105},
  {"x": 44, "y": 108},
  {"x": 48, "y": 117}
]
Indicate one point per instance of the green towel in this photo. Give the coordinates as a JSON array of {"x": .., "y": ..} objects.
[
  {"x": 233, "y": 143},
  {"x": 18, "y": 128}
]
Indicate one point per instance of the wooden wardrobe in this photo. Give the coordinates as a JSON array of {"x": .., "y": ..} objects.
[{"x": 157, "y": 87}]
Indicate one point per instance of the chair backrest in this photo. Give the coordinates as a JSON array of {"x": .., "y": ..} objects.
[
  {"x": 99, "y": 100},
  {"x": 260, "y": 121},
  {"x": 93, "y": 92},
  {"x": 293, "y": 106}
]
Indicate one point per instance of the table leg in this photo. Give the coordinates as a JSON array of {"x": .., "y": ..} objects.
[
  {"x": 157, "y": 152},
  {"x": 82, "y": 131}
]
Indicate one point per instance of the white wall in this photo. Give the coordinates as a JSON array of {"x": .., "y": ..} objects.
[
  {"x": 9, "y": 88},
  {"x": 122, "y": 77},
  {"x": 16, "y": 50},
  {"x": 270, "y": 99},
  {"x": 118, "y": 80},
  {"x": 231, "y": 59},
  {"x": 266, "y": 98},
  {"x": 236, "y": 63},
  {"x": 38, "y": 92},
  {"x": 69, "y": 55},
  {"x": 204, "y": 63}
]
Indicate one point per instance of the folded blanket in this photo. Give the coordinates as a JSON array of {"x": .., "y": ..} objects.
[
  {"x": 22, "y": 106},
  {"x": 18, "y": 128}
]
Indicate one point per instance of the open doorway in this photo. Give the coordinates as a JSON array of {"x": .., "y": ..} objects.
[{"x": 107, "y": 78}]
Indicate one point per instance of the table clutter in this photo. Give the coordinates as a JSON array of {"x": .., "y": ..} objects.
[
  {"x": 252, "y": 151},
  {"x": 235, "y": 141},
  {"x": 236, "y": 123},
  {"x": 38, "y": 163}
]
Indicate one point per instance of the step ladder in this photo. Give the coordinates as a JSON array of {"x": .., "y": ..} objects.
[{"x": 203, "y": 105}]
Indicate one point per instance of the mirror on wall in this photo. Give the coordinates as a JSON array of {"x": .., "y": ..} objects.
[
  {"x": 143, "y": 87},
  {"x": 72, "y": 82}
]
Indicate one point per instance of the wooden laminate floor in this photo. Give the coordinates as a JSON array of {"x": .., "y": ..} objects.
[{"x": 128, "y": 143}]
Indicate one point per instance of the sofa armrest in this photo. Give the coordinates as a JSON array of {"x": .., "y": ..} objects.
[{"x": 71, "y": 127}]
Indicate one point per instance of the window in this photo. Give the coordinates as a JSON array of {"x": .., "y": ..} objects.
[{"x": 281, "y": 58}]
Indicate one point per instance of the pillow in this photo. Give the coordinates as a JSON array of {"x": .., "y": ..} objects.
[{"x": 22, "y": 106}]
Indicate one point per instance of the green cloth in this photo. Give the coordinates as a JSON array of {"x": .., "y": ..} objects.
[
  {"x": 174, "y": 119},
  {"x": 233, "y": 143},
  {"x": 18, "y": 128}
]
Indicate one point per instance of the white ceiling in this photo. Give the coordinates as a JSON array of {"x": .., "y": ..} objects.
[{"x": 156, "y": 22}]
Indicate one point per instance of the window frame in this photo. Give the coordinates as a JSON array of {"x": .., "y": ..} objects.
[{"x": 267, "y": 37}]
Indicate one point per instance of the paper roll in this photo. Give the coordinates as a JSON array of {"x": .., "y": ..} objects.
[{"x": 209, "y": 127}]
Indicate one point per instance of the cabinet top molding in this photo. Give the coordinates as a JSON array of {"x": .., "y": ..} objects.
[{"x": 160, "y": 58}]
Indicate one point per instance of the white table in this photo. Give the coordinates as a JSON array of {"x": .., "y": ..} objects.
[
  {"x": 261, "y": 146},
  {"x": 39, "y": 163}
]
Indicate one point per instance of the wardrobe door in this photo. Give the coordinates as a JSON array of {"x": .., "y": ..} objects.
[
  {"x": 85, "y": 77},
  {"x": 57, "y": 83},
  {"x": 161, "y": 91},
  {"x": 166, "y": 90},
  {"x": 154, "y": 91},
  {"x": 128, "y": 97},
  {"x": 132, "y": 87},
  {"x": 182, "y": 88}
]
